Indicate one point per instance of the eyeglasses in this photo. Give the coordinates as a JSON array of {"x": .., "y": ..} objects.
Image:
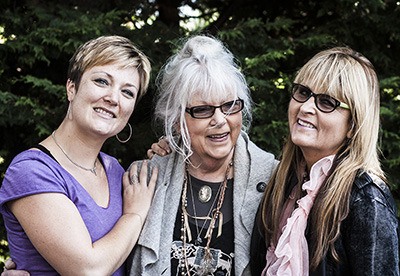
[
  {"x": 207, "y": 111},
  {"x": 323, "y": 102}
]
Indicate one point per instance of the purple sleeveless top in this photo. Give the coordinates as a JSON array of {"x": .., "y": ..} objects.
[{"x": 34, "y": 172}]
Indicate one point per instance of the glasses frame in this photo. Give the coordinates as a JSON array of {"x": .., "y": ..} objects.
[
  {"x": 191, "y": 110},
  {"x": 316, "y": 95}
]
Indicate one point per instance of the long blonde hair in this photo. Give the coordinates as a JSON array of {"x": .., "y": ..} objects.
[{"x": 349, "y": 77}]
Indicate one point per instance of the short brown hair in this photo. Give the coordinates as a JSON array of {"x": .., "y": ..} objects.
[{"x": 106, "y": 50}]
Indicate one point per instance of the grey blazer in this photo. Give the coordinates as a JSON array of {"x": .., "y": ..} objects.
[{"x": 252, "y": 168}]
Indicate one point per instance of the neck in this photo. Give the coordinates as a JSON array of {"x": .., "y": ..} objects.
[
  {"x": 80, "y": 148},
  {"x": 310, "y": 158},
  {"x": 211, "y": 171}
]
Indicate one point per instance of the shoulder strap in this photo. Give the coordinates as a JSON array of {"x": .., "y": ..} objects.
[{"x": 44, "y": 149}]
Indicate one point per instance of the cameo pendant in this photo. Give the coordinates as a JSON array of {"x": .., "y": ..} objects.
[{"x": 205, "y": 194}]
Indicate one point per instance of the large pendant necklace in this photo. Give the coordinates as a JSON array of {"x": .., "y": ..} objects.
[
  {"x": 198, "y": 240},
  {"x": 205, "y": 194},
  {"x": 92, "y": 170},
  {"x": 206, "y": 266}
]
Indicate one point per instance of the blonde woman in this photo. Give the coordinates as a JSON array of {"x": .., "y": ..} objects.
[
  {"x": 327, "y": 209},
  {"x": 64, "y": 207}
]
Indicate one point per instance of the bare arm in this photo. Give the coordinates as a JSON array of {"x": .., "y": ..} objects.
[{"x": 60, "y": 235}]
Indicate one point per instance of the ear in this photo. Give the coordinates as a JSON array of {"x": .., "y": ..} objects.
[
  {"x": 71, "y": 89},
  {"x": 350, "y": 133}
]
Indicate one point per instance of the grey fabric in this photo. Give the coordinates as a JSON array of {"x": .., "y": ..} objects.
[{"x": 151, "y": 256}]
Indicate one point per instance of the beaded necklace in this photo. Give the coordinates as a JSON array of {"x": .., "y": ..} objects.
[
  {"x": 206, "y": 218},
  {"x": 206, "y": 266}
]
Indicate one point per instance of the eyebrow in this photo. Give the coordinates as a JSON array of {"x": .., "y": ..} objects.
[{"x": 111, "y": 77}]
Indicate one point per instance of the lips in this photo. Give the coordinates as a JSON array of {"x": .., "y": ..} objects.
[
  {"x": 105, "y": 112},
  {"x": 218, "y": 136},
  {"x": 305, "y": 124}
]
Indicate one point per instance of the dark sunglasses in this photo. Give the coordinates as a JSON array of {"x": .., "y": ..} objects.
[
  {"x": 207, "y": 111},
  {"x": 323, "y": 102}
]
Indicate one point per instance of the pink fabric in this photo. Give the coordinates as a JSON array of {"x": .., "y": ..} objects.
[{"x": 290, "y": 256}]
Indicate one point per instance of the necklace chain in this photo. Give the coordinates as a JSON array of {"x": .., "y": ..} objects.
[
  {"x": 206, "y": 266},
  {"x": 198, "y": 240},
  {"x": 92, "y": 170}
]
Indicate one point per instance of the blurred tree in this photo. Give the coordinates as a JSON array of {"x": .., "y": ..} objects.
[{"x": 271, "y": 40}]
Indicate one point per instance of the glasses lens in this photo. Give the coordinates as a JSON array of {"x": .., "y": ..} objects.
[
  {"x": 203, "y": 111},
  {"x": 207, "y": 111},
  {"x": 326, "y": 103},
  {"x": 301, "y": 93},
  {"x": 232, "y": 107}
]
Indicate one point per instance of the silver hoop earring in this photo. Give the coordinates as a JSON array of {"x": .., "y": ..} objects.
[{"x": 129, "y": 137}]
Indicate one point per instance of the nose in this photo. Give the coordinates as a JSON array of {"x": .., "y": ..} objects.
[
  {"x": 218, "y": 119},
  {"x": 112, "y": 96},
  {"x": 308, "y": 106}
]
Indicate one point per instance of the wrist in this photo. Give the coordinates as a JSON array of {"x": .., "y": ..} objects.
[{"x": 137, "y": 216}]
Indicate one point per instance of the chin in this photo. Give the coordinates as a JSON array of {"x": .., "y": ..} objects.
[{"x": 220, "y": 155}]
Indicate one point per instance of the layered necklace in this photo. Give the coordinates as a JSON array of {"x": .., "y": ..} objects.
[
  {"x": 206, "y": 263},
  {"x": 198, "y": 241},
  {"x": 92, "y": 170}
]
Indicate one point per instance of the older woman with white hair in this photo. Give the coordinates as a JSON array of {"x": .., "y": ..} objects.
[{"x": 210, "y": 186}]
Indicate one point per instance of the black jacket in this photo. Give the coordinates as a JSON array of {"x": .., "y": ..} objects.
[{"x": 369, "y": 240}]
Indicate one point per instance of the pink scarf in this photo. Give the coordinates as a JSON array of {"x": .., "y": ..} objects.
[{"x": 290, "y": 256}]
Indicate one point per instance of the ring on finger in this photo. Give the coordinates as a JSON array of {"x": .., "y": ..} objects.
[{"x": 134, "y": 179}]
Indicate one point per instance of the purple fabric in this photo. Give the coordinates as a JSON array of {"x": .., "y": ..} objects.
[{"x": 33, "y": 172}]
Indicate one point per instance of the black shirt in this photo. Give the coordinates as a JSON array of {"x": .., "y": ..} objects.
[{"x": 222, "y": 247}]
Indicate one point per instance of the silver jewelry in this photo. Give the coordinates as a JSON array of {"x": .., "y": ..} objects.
[
  {"x": 92, "y": 170},
  {"x": 198, "y": 241},
  {"x": 205, "y": 194},
  {"x": 129, "y": 137},
  {"x": 134, "y": 179},
  {"x": 206, "y": 267}
]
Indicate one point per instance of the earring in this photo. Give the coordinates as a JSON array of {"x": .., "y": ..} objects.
[{"x": 129, "y": 137}]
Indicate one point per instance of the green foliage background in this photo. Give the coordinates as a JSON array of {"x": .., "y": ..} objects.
[{"x": 271, "y": 40}]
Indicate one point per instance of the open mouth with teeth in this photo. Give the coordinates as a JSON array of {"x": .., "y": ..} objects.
[
  {"x": 218, "y": 136},
  {"x": 104, "y": 112},
  {"x": 305, "y": 124}
]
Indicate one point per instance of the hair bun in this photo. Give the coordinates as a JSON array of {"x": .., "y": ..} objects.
[{"x": 203, "y": 48}]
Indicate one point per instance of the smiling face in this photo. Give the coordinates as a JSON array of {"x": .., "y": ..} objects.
[
  {"x": 317, "y": 134},
  {"x": 213, "y": 138},
  {"x": 105, "y": 99}
]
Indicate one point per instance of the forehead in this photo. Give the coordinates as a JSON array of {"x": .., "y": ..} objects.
[
  {"x": 115, "y": 68},
  {"x": 200, "y": 98}
]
